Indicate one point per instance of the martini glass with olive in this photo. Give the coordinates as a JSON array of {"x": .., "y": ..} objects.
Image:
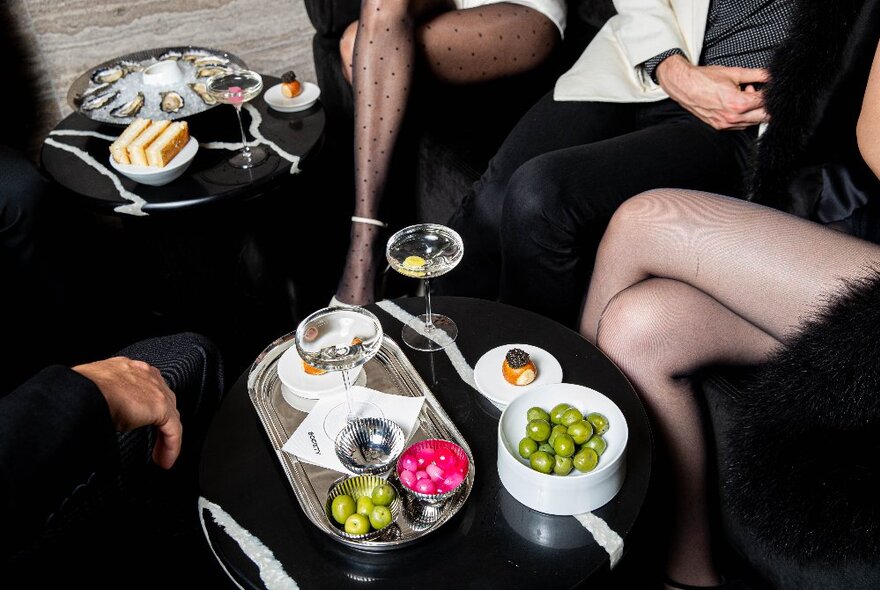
[{"x": 426, "y": 251}]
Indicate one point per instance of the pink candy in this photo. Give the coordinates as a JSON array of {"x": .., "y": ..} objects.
[
  {"x": 425, "y": 456},
  {"x": 409, "y": 463},
  {"x": 408, "y": 478},
  {"x": 432, "y": 467},
  {"x": 434, "y": 472},
  {"x": 426, "y": 486},
  {"x": 453, "y": 480},
  {"x": 446, "y": 460}
]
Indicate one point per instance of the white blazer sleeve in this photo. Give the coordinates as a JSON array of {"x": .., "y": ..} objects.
[
  {"x": 645, "y": 28},
  {"x": 608, "y": 69}
]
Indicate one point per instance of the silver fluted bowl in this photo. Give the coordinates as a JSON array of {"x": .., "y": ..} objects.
[
  {"x": 369, "y": 445},
  {"x": 357, "y": 486}
]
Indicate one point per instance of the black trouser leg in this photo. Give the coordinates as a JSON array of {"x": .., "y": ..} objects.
[
  {"x": 558, "y": 204},
  {"x": 548, "y": 126}
]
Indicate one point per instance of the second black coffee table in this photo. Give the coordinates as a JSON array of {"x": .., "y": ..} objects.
[
  {"x": 256, "y": 528},
  {"x": 78, "y": 148}
]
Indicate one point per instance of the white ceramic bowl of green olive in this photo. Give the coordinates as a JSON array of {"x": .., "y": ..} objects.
[{"x": 562, "y": 449}]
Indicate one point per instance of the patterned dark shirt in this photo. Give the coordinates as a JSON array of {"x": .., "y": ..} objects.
[{"x": 740, "y": 33}]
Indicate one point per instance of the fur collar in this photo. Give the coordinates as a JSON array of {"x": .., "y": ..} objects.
[{"x": 817, "y": 81}]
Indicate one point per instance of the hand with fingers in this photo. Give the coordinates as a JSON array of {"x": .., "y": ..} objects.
[
  {"x": 137, "y": 395},
  {"x": 723, "y": 97}
]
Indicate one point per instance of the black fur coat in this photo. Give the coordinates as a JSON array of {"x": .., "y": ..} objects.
[
  {"x": 808, "y": 152},
  {"x": 799, "y": 442},
  {"x": 800, "y": 471}
]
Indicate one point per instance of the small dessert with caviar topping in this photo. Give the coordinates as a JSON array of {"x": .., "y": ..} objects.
[
  {"x": 290, "y": 86},
  {"x": 518, "y": 367}
]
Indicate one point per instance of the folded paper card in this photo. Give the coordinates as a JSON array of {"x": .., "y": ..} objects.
[{"x": 311, "y": 442}]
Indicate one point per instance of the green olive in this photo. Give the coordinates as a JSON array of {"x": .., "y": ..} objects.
[
  {"x": 585, "y": 460},
  {"x": 342, "y": 507},
  {"x": 383, "y": 494},
  {"x": 527, "y": 446},
  {"x": 599, "y": 422},
  {"x": 570, "y": 416},
  {"x": 357, "y": 524},
  {"x": 542, "y": 462},
  {"x": 557, "y": 412},
  {"x": 546, "y": 448},
  {"x": 538, "y": 430},
  {"x": 564, "y": 445},
  {"x": 597, "y": 443},
  {"x": 380, "y": 517},
  {"x": 581, "y": 431},
  {"x": 536, "y": 413},
  {"x": 557, "y": 430},
  {"x": 562, "y": 465},
  {"x": 364, "y": 506}
]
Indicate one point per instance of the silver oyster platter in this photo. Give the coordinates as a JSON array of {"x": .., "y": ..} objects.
[{"x": 128, "y": 86}]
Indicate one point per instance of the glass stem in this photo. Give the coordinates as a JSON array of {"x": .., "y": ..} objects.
[
  {"x": 346, "y": 382},
  {"x": 429, "y": 321},
  {"x": 244, "y": 146}
]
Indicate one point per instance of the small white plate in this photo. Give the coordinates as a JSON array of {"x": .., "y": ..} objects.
[
  {"x": 281, "y": 103},
  {"x": 305, "y": 404},
  {"x": 492, "y": 384},
  {"x": 294, "y": 377}
]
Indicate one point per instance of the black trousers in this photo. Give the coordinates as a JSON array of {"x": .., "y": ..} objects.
[{"x": 532, "y": 223}]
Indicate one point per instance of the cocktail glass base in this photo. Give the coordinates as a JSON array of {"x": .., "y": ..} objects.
[
  {"x": 337, "y": 418},
  {"x": 253, "y": 156},
  {"x": 418, "y": 335}
]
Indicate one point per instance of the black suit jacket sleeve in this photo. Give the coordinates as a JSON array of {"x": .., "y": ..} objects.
[{"x": 55, "y": 434}]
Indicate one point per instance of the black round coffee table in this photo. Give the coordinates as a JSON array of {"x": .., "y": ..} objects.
[
  {"x": 256, "y": 528},
  {"x": 77, "y": 150}
]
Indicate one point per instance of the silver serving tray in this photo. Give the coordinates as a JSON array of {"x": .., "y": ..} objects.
[{"x": 390, "y": 372}]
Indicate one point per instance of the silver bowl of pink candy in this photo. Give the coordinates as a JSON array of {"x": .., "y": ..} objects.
[{"x": 432, "y": 470}]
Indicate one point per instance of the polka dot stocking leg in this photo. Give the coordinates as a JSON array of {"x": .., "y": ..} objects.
[{"x": 458, "y": 47}]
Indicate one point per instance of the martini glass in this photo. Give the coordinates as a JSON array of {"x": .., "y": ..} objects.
[
  {"x": 236, "y": 89},
  {"x": 425, "y": 251},
  {"x": 341, "y": 339}
]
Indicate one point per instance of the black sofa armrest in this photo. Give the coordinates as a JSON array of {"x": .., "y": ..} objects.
[{"x": 330, "y": 17}]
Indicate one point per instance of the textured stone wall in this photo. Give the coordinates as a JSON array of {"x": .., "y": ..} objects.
[{"x": 63, "y": 38}]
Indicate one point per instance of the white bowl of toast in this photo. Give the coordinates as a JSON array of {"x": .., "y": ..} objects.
[{"x": 153, "y": 152}]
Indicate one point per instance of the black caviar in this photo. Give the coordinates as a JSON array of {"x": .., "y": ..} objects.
[{"x": 517, "y": 357}]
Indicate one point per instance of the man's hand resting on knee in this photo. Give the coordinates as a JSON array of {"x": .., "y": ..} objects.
[
  {"x": 137, "y": 395},
  {"x": 723, "y": 97}
]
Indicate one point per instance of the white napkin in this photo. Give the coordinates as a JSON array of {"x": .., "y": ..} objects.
[{"x": 312, "y": 444}]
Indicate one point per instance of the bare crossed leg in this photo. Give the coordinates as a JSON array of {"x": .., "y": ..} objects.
[
  {"x": 379, "y": 54},
  {"x": 685, "y": 279}
]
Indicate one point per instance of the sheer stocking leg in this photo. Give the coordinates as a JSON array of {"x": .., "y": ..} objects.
[
  {"x": 379, "y": 53},
  {"x": 758, "y": 262},
  {"x": 658, "y": 332},
  {"x": 684, "y": 279}
]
